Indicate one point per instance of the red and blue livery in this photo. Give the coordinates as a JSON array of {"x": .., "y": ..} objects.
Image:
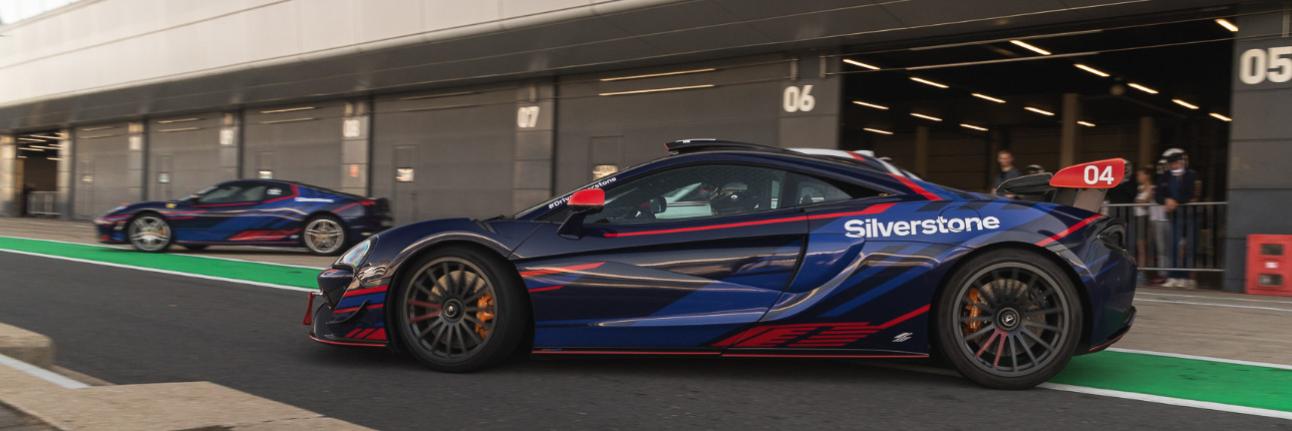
[
  {"x": 727, "y": 249},
  {"x": 248, "y": 212}
]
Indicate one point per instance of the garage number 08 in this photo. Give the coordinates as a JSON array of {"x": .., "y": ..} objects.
[{"x": 1094, "y": 174}]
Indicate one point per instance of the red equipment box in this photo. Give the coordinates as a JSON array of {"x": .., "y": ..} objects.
[{"x": 1269, "y": 265}]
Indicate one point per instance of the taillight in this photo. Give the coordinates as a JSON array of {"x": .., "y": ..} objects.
[{"x": 368, "y": 202}]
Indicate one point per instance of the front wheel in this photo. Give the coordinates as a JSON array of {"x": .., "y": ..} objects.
[
  {"x": 149, "y": 233},
  {"x": 460, "y": 310},
  {"x": 324, "y": 235},
  {"x": 1009, "y": 319}
]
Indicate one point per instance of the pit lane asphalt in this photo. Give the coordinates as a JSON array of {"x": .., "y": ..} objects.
[{"x": 129, "y": 326}]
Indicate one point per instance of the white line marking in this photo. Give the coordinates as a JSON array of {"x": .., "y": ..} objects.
[
  {"x": 41, "y": 373},
  {"x": 1210, "y": 304},
  {"x": 127, "y": 248},
  {"x": 1220, "y": 298},
  {"x": 1170, "y": 401},
  {"x": 1204, "y": 358},
  {"x": 163, "y": 271}
]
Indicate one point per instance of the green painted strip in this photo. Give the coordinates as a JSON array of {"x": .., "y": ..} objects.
[
  {"x": 1190, "y": 379},
  {"x": 248, "y": 271}
]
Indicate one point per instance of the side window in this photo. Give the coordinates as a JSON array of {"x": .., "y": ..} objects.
[
  {"x": 807, "y": 190},
  {"x": 232, "y": 193},
  {"x": 275, "y": 192},
  {"x": 693, "y": 192}
]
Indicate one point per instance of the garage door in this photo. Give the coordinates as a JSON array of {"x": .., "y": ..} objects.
[
  {"x": 102, "y": 170},
  {"x": 297, "y": 143},
  {"x": 185, "y": 155}
]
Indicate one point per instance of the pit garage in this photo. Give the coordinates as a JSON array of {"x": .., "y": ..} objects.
[
  {"x": 298, "y": 142},
  {"x": 483, "y": 151},
  {"x": 1052, "y": 97},
  {"x": 188, "y": 153},
  {"x": 108, "y": 166}
]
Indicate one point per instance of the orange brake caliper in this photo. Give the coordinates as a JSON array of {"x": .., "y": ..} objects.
[
  {"x": 484, "y": 313},
  {"x": 973, "y": 325}
]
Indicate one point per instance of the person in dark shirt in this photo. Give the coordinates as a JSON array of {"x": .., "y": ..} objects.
[
  {"x": 1175, "y": 188},
  {"x": 1005, "y": 159}
]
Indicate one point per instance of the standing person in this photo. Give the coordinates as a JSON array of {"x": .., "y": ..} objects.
[
  {"x": 1005, "y": 160},
  {"x": 1150, "y": 218},
  {"x": 1174, "y": 189}
]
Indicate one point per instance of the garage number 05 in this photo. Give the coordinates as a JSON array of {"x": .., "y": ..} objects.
[{"x": 1258, "y": 65}]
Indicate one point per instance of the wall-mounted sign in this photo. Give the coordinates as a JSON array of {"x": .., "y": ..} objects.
[
  {"x": 87, "y": 178},
  {"x": 1258, "y": 65},
  {"x": 136, "y": 143},
  {"x": 798, "y": 98},
  {"x": 404, "y": 175},
  {"x": 163, "y": 177},
  {"x": 351, "y": 128},
  {"x": 265, "y": 174},
  {"x": 226, "y": 137},
  {"x": 602, "y": 171},
  {"x": 527, "y": 117}
]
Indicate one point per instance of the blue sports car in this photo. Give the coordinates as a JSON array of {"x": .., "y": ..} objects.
[
  {"x": 248, "y": 212},
  {"x": 727, "y": 249}
]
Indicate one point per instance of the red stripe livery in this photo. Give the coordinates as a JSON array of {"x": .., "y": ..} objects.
[{"x": 1068, "y": 231}]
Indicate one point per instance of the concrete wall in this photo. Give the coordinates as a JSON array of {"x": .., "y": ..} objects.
[
  {"x": 1260, "y": 148},
  {"x": 135, "y": 42}
]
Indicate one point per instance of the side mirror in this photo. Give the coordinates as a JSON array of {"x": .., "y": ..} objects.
[{"x": 582, "y": 203}]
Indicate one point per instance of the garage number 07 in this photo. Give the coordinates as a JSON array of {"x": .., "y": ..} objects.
[{"x": 1094, "y": 174}]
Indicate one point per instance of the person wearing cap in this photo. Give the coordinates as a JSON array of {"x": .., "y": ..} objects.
[{"x": 1174, "y": 188}]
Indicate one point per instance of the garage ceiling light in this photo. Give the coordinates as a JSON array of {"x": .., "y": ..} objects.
[
  {"x": 930, "y": 83},
  {"x": 1221, "y": 117},
  {"x": 29, "y": 149},
  {"x": 56, "y": 159},
  {"x": 1039, "y": 111},
  {"x": 660, "y": 74},
  {"x": 1086, "y": 123},
  {"x": 877, "y": 131},
  {"x": 656, "y": 90},
  {"x": 925, "y": 116},
  {"x": 58, "y": 137},
  {"x": 870, "y": 105},
  {"x": 178, "y": 129},
  {"x": 1184, "y": 104},
  {"x": 860, "y": 64},
  {"x": 43, "y": 147},
  {"x": 26, "y": 139},
  {"x": 1097, "y": 72},
  {"x": 1143, "y": 88},
  {"x": 289, "y": 120},
  {"x": 1227, "y": 25},
  {"x": 277, "y": 111},
  {"x": 987, "y": 98},
  {"x": 1029, "y": 47},
  {"x": 973, "y": 127}
]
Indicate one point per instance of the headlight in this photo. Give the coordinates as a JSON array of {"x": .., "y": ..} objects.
[{"x": 355, "y": 255}]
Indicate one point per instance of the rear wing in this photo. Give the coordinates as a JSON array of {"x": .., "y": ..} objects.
[{"x": 1083, "y": 185}]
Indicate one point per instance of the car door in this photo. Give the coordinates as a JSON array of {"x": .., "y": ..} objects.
[
  {"x": 224, "y": 213},
  {"x": 675, "y": 259}
]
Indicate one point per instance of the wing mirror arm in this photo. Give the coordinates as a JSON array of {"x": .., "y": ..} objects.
[{"x": 582, "y": 203}]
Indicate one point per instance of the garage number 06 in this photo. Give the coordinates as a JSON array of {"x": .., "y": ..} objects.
[
  {"x": 798, "y": 98},
  {"x": 1258, "y": 65},
  {"x": 1095, "y": 174}
]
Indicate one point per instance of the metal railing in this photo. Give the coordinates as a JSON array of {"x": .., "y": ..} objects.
[
  {"x": 42, "y": 203},
  {"x": 1187, "y": 239}
]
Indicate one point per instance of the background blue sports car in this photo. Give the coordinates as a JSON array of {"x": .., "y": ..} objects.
[
  {"x": 248, "y": 212},
  {"x": 739, "y": 250}
]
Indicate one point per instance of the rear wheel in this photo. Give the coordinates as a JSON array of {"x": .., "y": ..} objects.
[
  {"x": 1009, "y": 319},
  {"x": 460, "y": 310},
  {"x": 149, "y": 232},
  {"x": 324, "y": 235}
]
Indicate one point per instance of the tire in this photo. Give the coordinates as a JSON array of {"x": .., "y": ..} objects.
[
  {"x": 194, "y": 247},
  {"x": 149, "y": 232},
  {"x": 325, "y": 235},
  {"x": 1009, "y": 319},
  {"x": 442, "y": 316}
]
